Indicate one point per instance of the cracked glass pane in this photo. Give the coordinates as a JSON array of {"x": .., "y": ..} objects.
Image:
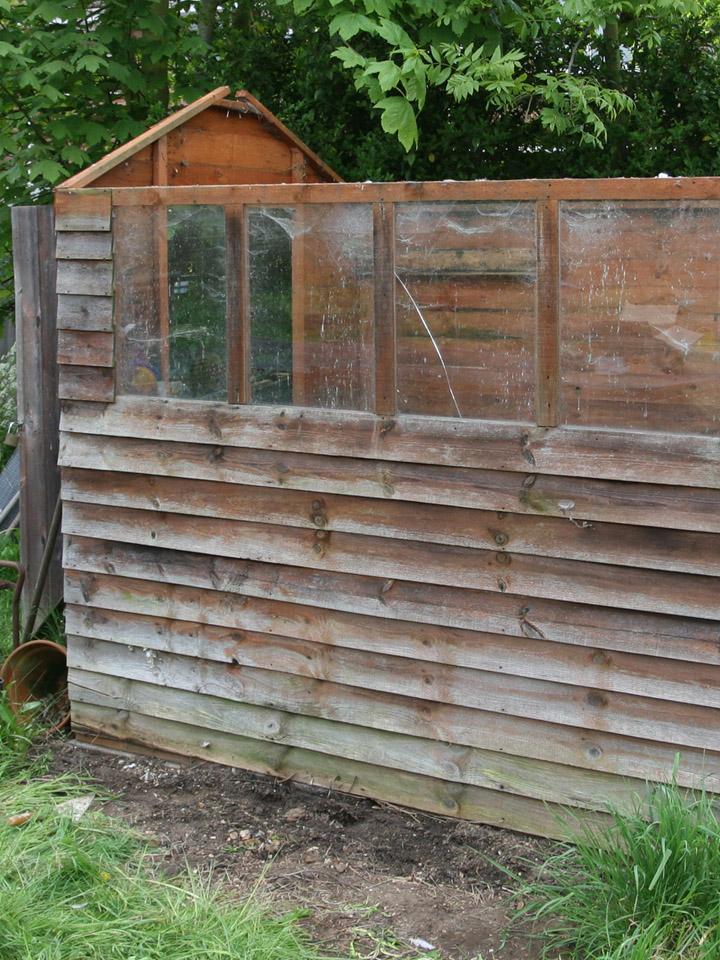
[
  {"x": 466, "y": 304},
  {"x": 640, "y": 314}
]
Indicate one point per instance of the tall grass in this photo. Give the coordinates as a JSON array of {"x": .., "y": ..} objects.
[
  {"x": 87, "y": 890},
  {"x": 9, "y": 550},
  {"x": 645, "y": 888}
]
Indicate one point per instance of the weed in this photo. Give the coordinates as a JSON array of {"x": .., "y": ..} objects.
[
  {"x": 86, "y": 890},
  {"x": 647, "y": 887}
]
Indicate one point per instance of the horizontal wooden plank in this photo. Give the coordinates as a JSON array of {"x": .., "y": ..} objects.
[
  {"x": 89, "y": 277},
  {"x": 670, "y": 188},
  {"x": 550, "y": 782},
  {"x": 517, "y": 574},
  {"x": 86, "y": 348},
  {"x": 83, "y": 210},
  {"x": 84, "y": 245},
  {"x": 615, "y": 543},
  {"x": 126, "y": 611},
  {"x": 573, "y": 498},
  {"x": 82, "y": 312},
  {"x": 682, "y": 724},
  {"x": 348, "y": 776},
  {"x": 87, "y": 383},
  {"x": 680, "y": 638},
  {"x": 600, "y": 454},
  {"x": 547, "y": 742}
]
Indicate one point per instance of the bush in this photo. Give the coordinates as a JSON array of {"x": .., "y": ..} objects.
[{"x": 645, "y": 888}]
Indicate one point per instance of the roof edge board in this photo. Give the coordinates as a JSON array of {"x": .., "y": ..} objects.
[
  {"x": 245, "y": 103},
  {"x": 85, "y": 177}
]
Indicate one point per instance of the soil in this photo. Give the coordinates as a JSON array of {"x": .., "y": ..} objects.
[{"x": 371, "y": 877}]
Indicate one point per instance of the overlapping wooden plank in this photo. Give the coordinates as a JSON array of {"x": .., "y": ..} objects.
[
  {"x": 87, "y": 383},
  {"x": 101, "y": 724},
  {"x": 84, "y": 245},
  {"x": 632, "y": 546},
  {"x": 86, "y": 348},
  {"x": 550, "y": 782},
  {"x": 89, "y": 277},
  {"x": 680, "y": 638},
  {"x": 602, "y": 454},
  {"x": 129, "y": 620},
  {"x": 515, "y": 736},
  {"x": 82, "y": 210},
  {"x": 82, "y": 312},
  {"x": 574, "y": 498},
  {"x": 689, "y": 595},
  {"x": 681, "y": 724}
]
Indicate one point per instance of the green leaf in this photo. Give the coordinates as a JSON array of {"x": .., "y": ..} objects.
[
  {"x": 398, "y": 117},
  {"x": 350, "y": 24},
  {"x": 349, "y": 58},
  {"x": 47, "y": 170},
  {"x": 394, "y": 34}
]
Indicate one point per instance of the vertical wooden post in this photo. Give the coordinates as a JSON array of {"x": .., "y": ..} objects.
[
  {"x": 237, "y": 305},
  {"x": 547, "y": 364},
  {"x": 384, "y": 313},
  {"x": 33, "y": 233},
  {"x": 160, "y": 277}
]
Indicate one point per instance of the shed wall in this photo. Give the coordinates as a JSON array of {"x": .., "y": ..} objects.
[{"x": 473, "y": 617}]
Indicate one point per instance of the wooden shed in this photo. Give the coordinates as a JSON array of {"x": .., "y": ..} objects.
[{"x": 410, "y": 489}]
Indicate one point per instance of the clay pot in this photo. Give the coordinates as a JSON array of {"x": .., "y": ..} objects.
[{"x": 36, "y": 672}]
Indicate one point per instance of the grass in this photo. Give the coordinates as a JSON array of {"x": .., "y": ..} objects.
[
  {"x": 89, "y": 890},
  {"x": 644, "y": 888},
  {"x": 9, "y": 550}
]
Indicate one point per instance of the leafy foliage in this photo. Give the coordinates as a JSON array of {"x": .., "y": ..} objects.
[{"x": 468, "y": 47}]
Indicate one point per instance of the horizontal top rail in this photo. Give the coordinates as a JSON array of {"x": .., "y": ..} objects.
[{"x": 661, "y": 188}]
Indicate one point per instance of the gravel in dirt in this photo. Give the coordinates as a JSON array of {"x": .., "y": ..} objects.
[{"x": 370, "y": 876}]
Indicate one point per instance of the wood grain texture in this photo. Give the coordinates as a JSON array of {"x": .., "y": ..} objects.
[
  {"x": 566, "y": 451},
  {"x": 89, "y": 277},
  {"x": 513, "y": 736},
  {"x": 680, "y": 188},
  {"x": 84, "y": 245},
  {"x": 38, "y": 409},
  {"x": 86, "y": 210},
  {"x": 551, "y": 782},
  {"x": 87, "y": 383},
  {"x": 430, "y": 794},
  {"x": 194, "y": 632},
  {"x": 688, "y": 595},
  {"x": 574, "y": 499},
  {"x": 82, "y": 312},
  {"x": 678, "y": 638},
  {"x": 89, "y": 348},
  {"x": 624, "y": 544}
]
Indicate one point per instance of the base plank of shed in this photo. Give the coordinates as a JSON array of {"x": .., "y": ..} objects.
[{"x": 123, "y": 729}]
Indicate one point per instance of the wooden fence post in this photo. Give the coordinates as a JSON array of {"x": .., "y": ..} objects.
[{"x": 33, "y": 233}]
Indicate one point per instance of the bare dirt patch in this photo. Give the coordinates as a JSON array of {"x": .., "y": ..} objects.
[{"x": 372, "y": 877}]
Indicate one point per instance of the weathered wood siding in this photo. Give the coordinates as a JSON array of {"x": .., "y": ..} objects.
[{"x": 479, "y": 618}]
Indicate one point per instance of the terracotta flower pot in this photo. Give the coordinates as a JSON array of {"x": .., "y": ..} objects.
[{"x": 36, "y": 672}]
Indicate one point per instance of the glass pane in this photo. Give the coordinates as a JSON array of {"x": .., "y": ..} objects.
[
  {"x": 136, "y": 301},
  {"x": 311, "y": 296},
  {"x": 270, "y": 282},
  {"x": 640, "y": 314},
  {"x": 182, "y": 280},
  {"x": 196, "y": 284},
  {"x": 466, "y": 304}
]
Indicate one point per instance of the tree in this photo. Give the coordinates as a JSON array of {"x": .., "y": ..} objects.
[{"x": 403, "y": 48}]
